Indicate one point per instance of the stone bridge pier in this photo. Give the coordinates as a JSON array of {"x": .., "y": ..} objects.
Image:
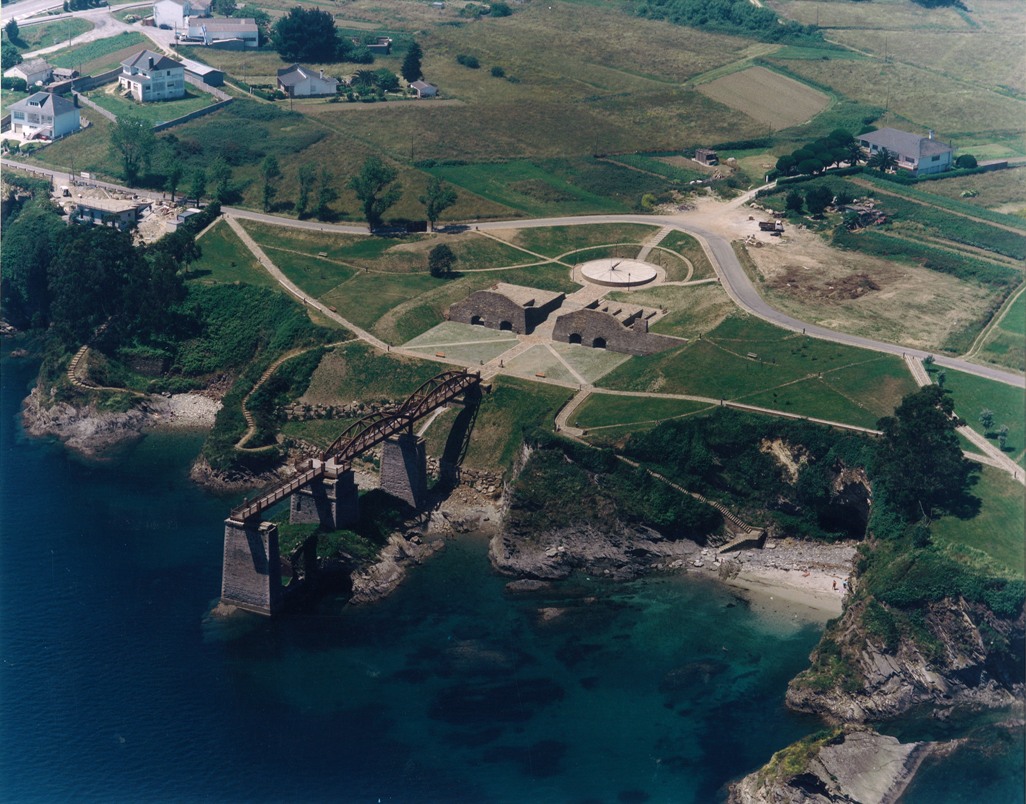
[
  {"x": 251, "y": 578},
  {"x": 331, "y": 500},
  {"x": 404, "y": 468}
]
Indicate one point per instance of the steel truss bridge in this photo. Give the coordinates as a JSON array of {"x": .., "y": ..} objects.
[{"x": 364, "y": 434}]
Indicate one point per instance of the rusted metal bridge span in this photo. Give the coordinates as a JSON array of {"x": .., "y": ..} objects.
[{"x": 364, "y": 434}]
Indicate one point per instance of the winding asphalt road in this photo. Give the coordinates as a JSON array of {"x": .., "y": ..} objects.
[{"x": 719, "y": 249}]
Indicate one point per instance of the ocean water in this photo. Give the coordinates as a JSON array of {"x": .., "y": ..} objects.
[{"x": 117, "y": 685}]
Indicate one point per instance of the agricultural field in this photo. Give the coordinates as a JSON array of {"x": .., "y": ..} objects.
[
  {"x": 771, "y": 98},
  {"x": 101, "y": 55},
  {"x": 1002, "y": 191},
  {"x": 109, "y": 98}
]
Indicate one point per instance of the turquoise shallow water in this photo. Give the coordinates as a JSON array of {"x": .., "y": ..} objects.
[{"x": 117, "y": 686}]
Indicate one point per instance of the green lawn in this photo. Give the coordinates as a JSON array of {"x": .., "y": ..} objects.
[
  {"x": 1008, "y": 403},
  {"x": 92, "y": 51},
  {"x": 993, "y": 539},
  {"x": 355, "y": 371},
  {"x": 605, "y": 410},
  {"x": 157, "y": 112},
  {"x": 747, "y": 360},
  {"x": 225, "y": 260},
  {"x": 686, "y": 245},
  {"x": 555, "y": 241},
  {"x": 1006, "y": 343},
  {"x": 315, "y": 275}
]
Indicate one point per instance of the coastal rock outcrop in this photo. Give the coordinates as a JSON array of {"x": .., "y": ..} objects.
[
  {"x": 964, "y": 655},
  {"x": 853, "y": 764},
  {"x": 88, "y": 430}
]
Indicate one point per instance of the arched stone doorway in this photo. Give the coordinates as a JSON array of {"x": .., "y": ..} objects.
[
  {"x": 477, "y": 321},
  {"x": 505, "y": 326},
  {"x": 575, "y": 337},
  {"x": 599, "y": 343}
]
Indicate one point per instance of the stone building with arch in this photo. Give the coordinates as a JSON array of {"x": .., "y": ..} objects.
[
  {"x": 509, "y": 308},
  {"x": 614, "y": 326}
]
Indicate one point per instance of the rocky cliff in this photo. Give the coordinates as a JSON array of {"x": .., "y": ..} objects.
[{"x": 959, "y": 654}]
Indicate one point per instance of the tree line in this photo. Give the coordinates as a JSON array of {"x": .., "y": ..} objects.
[
  {"x": 78, "y": 281},
  {"x": 146, "y": 160}
]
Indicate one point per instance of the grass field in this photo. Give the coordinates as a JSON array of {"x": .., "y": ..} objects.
[
  {"x": 355, "y": 371},
  {"x": 1000, "y": 191},
  {"x": 1008, "y": 403},
  {"x": 692, "y": 311},
  {"x": 93, "y": 57},
  {"x": 152, "y": 113},
  {"x": 993, "y": 539},
  {"x": 10, "y": 97},
  {"x": 773, "y": 99},
  {"x": 1005, "y": 344},
  {"x": 556, "y": 241},
  {"x": 747, "y": 360},
  {"x": 624, "y": 412},
  {"x": 35, "y": 37},
  {"x": 226, "y": 260},
  {"x": 689, "y": 248}
]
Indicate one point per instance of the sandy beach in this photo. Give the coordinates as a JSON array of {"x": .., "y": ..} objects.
[{"x": 807, "y": 580}]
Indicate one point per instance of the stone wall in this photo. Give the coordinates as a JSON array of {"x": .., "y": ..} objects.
[{"x": 601, "y": 330}]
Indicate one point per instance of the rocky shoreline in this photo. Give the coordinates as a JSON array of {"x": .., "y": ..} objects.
[
  {"x": 855, "y": 764},
  {"x": 90, "y": 431}
]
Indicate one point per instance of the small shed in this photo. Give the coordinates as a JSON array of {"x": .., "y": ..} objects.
[
  {"x": 707, "y": 156},
  {"x": 423, "y": 89}
]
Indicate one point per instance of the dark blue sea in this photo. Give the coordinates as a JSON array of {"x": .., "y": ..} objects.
[{"x": 117, "y": 685}]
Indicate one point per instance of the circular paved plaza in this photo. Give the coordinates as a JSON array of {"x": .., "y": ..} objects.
[{"x": 618, "y": 272}]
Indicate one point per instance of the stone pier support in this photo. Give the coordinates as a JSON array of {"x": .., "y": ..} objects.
[
  {"x": 251, "y": 575},
  {"x": 331, "y": 501},
  {"x": 404, "y": 468}
]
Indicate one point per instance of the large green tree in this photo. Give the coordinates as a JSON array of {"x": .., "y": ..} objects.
[
  {"x": 271, "y": 171},
  {"x": 412, "y": 69},
  {"x": 375, "y": 189},
  {"x": 306, "y": 177},
  {"x": 438, "y": 198},
  {"x": 306, "y": 34},
  {"x": 919, "y": 461},
  {"x": 132, "y": 143}
]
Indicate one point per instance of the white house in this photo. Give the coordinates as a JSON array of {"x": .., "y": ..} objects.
[
  {"x": 148, "y": 76},
  {"x": 33, "y": 72},
  {"x": 920, "y": 155},
  {"x": 44, "y": 115},
  {"x": 222, "y": 30},
  {"x": 174, "y": 14},
  {"x": 298, "y": 81},
  {"x": 423, "y": 89}
]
